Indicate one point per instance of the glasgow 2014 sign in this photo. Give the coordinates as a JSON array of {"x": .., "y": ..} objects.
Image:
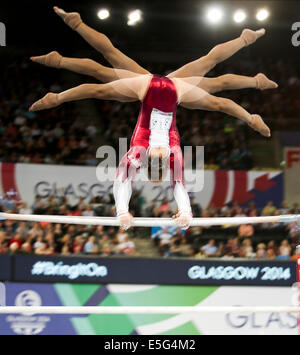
[{"x": 33, "y": 268}]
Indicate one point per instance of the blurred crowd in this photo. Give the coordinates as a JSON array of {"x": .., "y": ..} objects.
[
  {"x": 238, "y": 243},
  {"x": 255, "y": 241},
  {"x": 49, "y": 239},
  {"x": 64, "y": 136},
  {"x": 59, "y": 136},
  {"x": 264, "y": 241}
]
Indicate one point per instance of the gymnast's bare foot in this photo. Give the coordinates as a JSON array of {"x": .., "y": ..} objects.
[
  {"x": 250, "y": 36},
  {"x": 48, "y": 101},
  {"x": 72, "y": 19},
  {"x": 259, "y": 125},
  {"x": 52, "y": 59},
  {"x": 263, "y": 83}
]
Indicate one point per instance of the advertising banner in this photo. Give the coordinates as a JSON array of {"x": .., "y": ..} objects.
[
  {"x": 298, "y": 269},
  {"x": 5, "y": 268},
  {"x": 27, "y": 294},
  {"x": 153, "y": 271},
  {"x": 292, "y": 171},
  {"x": 218, "y": 188}
]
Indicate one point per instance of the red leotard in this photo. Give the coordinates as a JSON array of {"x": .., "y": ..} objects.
[{"x": 161, "y": 97}]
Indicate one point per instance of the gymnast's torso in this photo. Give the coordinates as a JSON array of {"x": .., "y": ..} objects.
[{"x": 156, "y": 125}]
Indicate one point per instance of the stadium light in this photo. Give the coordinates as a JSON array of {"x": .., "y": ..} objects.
[
  {"x": 214, "y": 15},
  {"x": 262, "y": 14},
  {"x": 103, "y": 14},
  {"x": 134, "y": 17},
  {"x": 239, "y": 16}
]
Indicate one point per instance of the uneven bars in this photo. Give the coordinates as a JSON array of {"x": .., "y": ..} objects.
[
  {"x": 149, "y": 222},
  {"x": 144, "y": 309}
]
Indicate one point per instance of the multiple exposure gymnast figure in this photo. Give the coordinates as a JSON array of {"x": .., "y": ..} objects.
[{"x": 155, "y": 140}]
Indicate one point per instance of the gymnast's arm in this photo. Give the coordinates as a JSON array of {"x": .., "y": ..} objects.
[
  {"x": 184, "y": 216},
  {"x": 122, "y": 191}
]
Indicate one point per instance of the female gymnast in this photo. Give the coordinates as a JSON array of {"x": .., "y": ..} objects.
[{"x": 155, "y": 139}]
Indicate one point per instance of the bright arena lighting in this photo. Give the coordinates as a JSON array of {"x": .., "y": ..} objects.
[
  {"x": 239, "y": 16},
  {"x": 214, "y": 15},
  {"x": 103, "y": 14},
  {"x": 134, "y": 17},
  {"x": 262, "y": 14}
]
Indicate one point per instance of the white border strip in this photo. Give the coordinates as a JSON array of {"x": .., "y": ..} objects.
[
  {"x": 143, "y": 310},
  {"x": 149, "y": 222}
]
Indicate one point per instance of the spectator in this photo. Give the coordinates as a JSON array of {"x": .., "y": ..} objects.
[
  {"x": 228, "y": 248},
  {"x": 245, "y": 230},
  {"x": 38, "y": 243},
  {"x": 99, "y": 232},
  {"x": 16, "y": 239},
  {"x": 235, "y": 248},
  {"x": 91, "y": 130},
  {"x": 42, "y": 249},
  {"x": 164, "y": 240},
  {"x": 78, "y": 244},
  {"x": 91, "y": 247},
  {"x": 270, "y": 254},
  {"x": 26, "y": 247},
  {"x": 295, "y": 209},
  {"x": 140, "y": 202},
  {"x": 3, "y": 244},
  {"x": 165, "y": 236},
  {"x": 272, "y": 244},
  {"x": 269, "y": 209},
  {"x": 165, "y": 207},
  {"x": 251, "y": 210},
  {"x": 65, "y": 250},
  {"x": 239, "y": 212},
  {"x": 127, "y": 247},
  {"x": 184, "y": 248},
  {"x": 25, "y": 209},
  {"x": 9, "y": 201},
  {"x": 284, "y": 209},
  {"x": 285, "y": 250},
  {"x": 121, "y": 236},
  {"x": 36, "y": 231},
  {"x": 174, "y": 250},
  {"x": 105, "y": 242},
  {"x": 14, "y": 247},
  {"x": 210, "y": 248},
  {"x": 88, "y": 212},
  {"x": 106, "y": 251},
  {"x": 196, "y": 209},
  {"x": 152, "y": 210},
  {"x": 260, "y": 251},
  {"x": 77, "y": 250},
  {"x": 247, "y": 248}
]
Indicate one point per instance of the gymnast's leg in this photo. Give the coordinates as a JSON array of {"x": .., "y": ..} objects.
[
  {"x": 100, "y": 42},
  {"x": 192, "y": 97},
  {"x": 236, "y": 82},
  {"x": 123, "y": 90},
  {"x": 83, "y": 66},
  {"x": 218, "y": 54}
]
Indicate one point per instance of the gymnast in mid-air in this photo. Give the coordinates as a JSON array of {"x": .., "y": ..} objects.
[{"x": 155, "y": 142}]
